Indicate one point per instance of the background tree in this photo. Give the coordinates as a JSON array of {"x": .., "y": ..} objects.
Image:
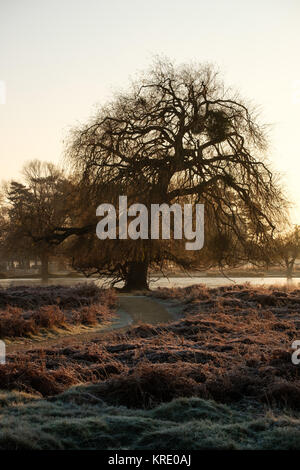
[
  {"x": 177, "y": 133},
  {"x": 35, "y": 209},
  {"x": 286, "y": 249}
]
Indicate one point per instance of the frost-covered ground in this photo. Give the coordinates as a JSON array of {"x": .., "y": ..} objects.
[{"x": 219, "y": 377}]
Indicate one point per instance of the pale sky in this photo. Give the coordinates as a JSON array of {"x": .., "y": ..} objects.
[{"x": 59, "y": 58}]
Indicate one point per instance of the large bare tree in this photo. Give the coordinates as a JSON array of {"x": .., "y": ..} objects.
[{"x": 177, "y": 133}]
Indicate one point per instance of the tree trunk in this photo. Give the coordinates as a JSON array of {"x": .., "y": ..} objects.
[
  {"x": 44, "y": 267},
  {"x": 137, "y": 278},
  {"x": 289, "y": 272},
  {"x": 289, "y": 269}
]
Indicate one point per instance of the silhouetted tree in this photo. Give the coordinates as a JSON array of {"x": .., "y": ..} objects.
[{"x": 177, "y": 133}]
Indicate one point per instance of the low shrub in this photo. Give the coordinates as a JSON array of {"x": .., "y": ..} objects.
[{"x": 49, "y": 316}]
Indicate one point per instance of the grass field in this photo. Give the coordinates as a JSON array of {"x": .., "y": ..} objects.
[{"x": 219, "y": 377}]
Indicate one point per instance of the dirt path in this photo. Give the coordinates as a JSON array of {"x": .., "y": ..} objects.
[
  {"x": 144, "y": 309},
  {"x": 132, "y": 309}
]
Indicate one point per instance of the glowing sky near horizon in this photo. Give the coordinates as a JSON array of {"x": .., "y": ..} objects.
[{"x": 60, "y": 58}]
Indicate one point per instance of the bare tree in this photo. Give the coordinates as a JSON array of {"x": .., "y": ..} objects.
[
  {"x": 176, "y": 133},
  {"x": 286, "y": 249}
]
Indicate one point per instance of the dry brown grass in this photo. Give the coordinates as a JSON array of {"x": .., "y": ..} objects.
[
  {"x": 83, "y": 304},
  {"x": 233, "y": 343}
]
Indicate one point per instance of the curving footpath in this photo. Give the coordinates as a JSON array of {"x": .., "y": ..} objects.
[{"x": 133, "y": 309}]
